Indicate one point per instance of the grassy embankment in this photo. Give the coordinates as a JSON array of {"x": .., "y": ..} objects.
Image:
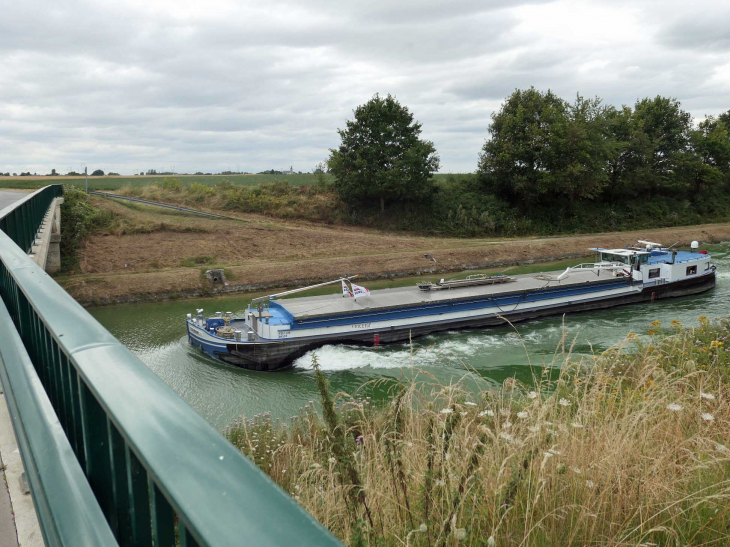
[
  {"x": 457, "y": 206},
  {"x": 630, "y": 447}
]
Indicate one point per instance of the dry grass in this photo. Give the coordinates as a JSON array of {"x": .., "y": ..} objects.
[{"x": 625, "y": 448}]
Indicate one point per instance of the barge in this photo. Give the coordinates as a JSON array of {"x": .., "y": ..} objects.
[{"x": 275, "y": 331}]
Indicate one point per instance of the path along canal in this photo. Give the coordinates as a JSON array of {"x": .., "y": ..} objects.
[{"x": 156, "y": 334}]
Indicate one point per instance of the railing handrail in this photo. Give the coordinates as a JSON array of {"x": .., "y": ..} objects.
[
  {"x": 148, "y": 456},
  {"x": 50, "y": 464}
]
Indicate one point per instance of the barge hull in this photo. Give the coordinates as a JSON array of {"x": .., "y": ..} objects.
[{"x": 270, "y": 356}]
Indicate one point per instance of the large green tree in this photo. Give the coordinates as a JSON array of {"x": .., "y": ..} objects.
[
  {"x": 381, "y": 156},
  {"x": 542, "y": 148}
]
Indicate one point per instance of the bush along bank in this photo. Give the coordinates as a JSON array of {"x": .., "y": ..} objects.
[{"x": 627, "y": 447}]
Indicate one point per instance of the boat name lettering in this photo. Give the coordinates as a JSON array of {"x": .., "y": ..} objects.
[
  {"x": 283, "y": 334},
  {"x": 361, "y": 326}
]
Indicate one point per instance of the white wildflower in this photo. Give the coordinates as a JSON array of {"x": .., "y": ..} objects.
[
  {"x": 552, "y": 431},
  {"x": 548, "y": 423},
  {"x": 532, "y": 395},
  {"x": 708, "y": 396},
  {"x": 721, "y": 448},
  {"x": 506, "y": 425},
  {"x": 674, "y": 407},
  {"x": 522, "y": 415},
  {"x": 577, "y": 425},
  {"x": 463, "y": 413},
  {"x": 590, "y": 484},
  {"x": 533, "y": 428},
  {"x": 484, "y": 413},
  {"x": 460, "y": 534},
  {"x": 576, "y": 470},
  {"x": 707, "y": 417},
  {"x": 423, "y": 528},
  {"x": 564, "y": 402},
  {"x": 507, "y": 436},
  {"x": 447, "y": 410},
  {"x": 504, "y": 411},
  {"x": 469, "y": 403},
  {"x": 332, "y": 460},
  {"x": 440, "y": 482},
  {"x": 447, "y": 456},
  {"x": 490, "y": 541}
]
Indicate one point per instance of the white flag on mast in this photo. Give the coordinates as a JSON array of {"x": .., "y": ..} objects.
[
  {"x": 358, "y": 291},
  {"x": 345, "y": 289}
]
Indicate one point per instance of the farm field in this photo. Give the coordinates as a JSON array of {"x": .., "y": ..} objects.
[{"x": 116, "y": 182}]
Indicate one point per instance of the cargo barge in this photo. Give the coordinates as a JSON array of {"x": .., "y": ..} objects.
[{"x": 275, "y": 331}]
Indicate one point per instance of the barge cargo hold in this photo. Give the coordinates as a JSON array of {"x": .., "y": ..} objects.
[{"x": 273, "y": 333}]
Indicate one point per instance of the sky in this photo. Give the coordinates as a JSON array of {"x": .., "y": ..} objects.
[{"x": 187, "y": 86}]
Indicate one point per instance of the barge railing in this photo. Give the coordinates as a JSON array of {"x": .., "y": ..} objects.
[{"x": 113, "y": 455}]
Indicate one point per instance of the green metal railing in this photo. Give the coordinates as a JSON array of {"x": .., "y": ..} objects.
[
  {"x": 21, "y": 220},
  {"x": 135, "y": 464}
]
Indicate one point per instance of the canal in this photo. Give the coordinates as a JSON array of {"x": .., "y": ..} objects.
[{"x": 156, "y": 334}]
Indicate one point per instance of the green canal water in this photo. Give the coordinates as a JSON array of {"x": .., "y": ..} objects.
[{"x": 156, "y": 334}]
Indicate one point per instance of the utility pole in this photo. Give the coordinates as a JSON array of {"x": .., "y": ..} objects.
[{"x": 86, "y": 174}]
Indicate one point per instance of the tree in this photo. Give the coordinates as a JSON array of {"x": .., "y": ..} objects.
[
  {"x": 709, "y": 163},
  {"x": 381, "y": 156},
  {"x": 98, "y": 173},
  {"x": 542, "y": 148},
  {"x": 660, "y": 139}
]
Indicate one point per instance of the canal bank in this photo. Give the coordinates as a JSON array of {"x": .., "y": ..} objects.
[
  {"x": 156, "y": 334},
  {"x": 159, "y": 266}
]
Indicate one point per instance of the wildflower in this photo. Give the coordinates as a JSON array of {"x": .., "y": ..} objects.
[
  {"x": 460, "y": 534},
  {"x": 590, "y": 484},
  {"x": 447, "y": 410},
  {"x": 484, "y": 413},
  {"x": 504, "y": 411},
  {"x": 332, "y": 460},
  {"x": 716, "y": 344},
  {"x": 553, "y": 432},
  {"x": 469, "y": 403},
  {"x": 707, "y": 417},
  {"x": 548, "y": 422},
  {"x": 576, "y": 425},
  {"x": 463, "y": 413},
  {"x": 576, "y": 470},
  {"x": 490, "y": 541},
  {"x": 440, "y": 482},
  {"x": 564, "y": 402},
  {"x": 423, "y": 528},
  {"x": 708, "y": 396},
  {"x": 533, "y": 428},
  {"x": 532, "y": 395},
  {"x": 522, "y": 415},
  {"x": 506, "y": 425},
  {"x": 721, "y": 448},
  {"x": 507, "y": 436},
  {"x": 674, "y": 407}
]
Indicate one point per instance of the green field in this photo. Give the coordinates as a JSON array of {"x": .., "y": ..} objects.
[{"x": 114, "y": 183}]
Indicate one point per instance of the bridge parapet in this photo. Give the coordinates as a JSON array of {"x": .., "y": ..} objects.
[{"x": 138, "y": 466}]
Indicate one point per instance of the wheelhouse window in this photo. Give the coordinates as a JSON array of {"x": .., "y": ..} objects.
[
  {"x": 654, "y": 272},
  {"x": 707, "y": 266},
  {"x": 691, "y": 270}
]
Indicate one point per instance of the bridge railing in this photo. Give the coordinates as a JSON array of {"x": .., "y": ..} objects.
[
  {"x": 21, "y": 220},
  {"x": 159, "y": 474}
]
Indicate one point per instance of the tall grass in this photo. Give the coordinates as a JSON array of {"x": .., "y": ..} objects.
[{"x": 629, "y": 447}]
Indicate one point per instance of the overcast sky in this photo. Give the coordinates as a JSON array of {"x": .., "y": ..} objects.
[{"x": 215, "y": 85}]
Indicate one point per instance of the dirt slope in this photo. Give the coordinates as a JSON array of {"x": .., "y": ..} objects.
[{"x": 166, "y": 259}]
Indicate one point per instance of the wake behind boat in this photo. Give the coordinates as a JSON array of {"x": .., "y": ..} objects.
[{"x": 273, "y": 333}]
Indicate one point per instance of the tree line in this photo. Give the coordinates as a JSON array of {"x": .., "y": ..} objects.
[{"x": 542, "y": 152}]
